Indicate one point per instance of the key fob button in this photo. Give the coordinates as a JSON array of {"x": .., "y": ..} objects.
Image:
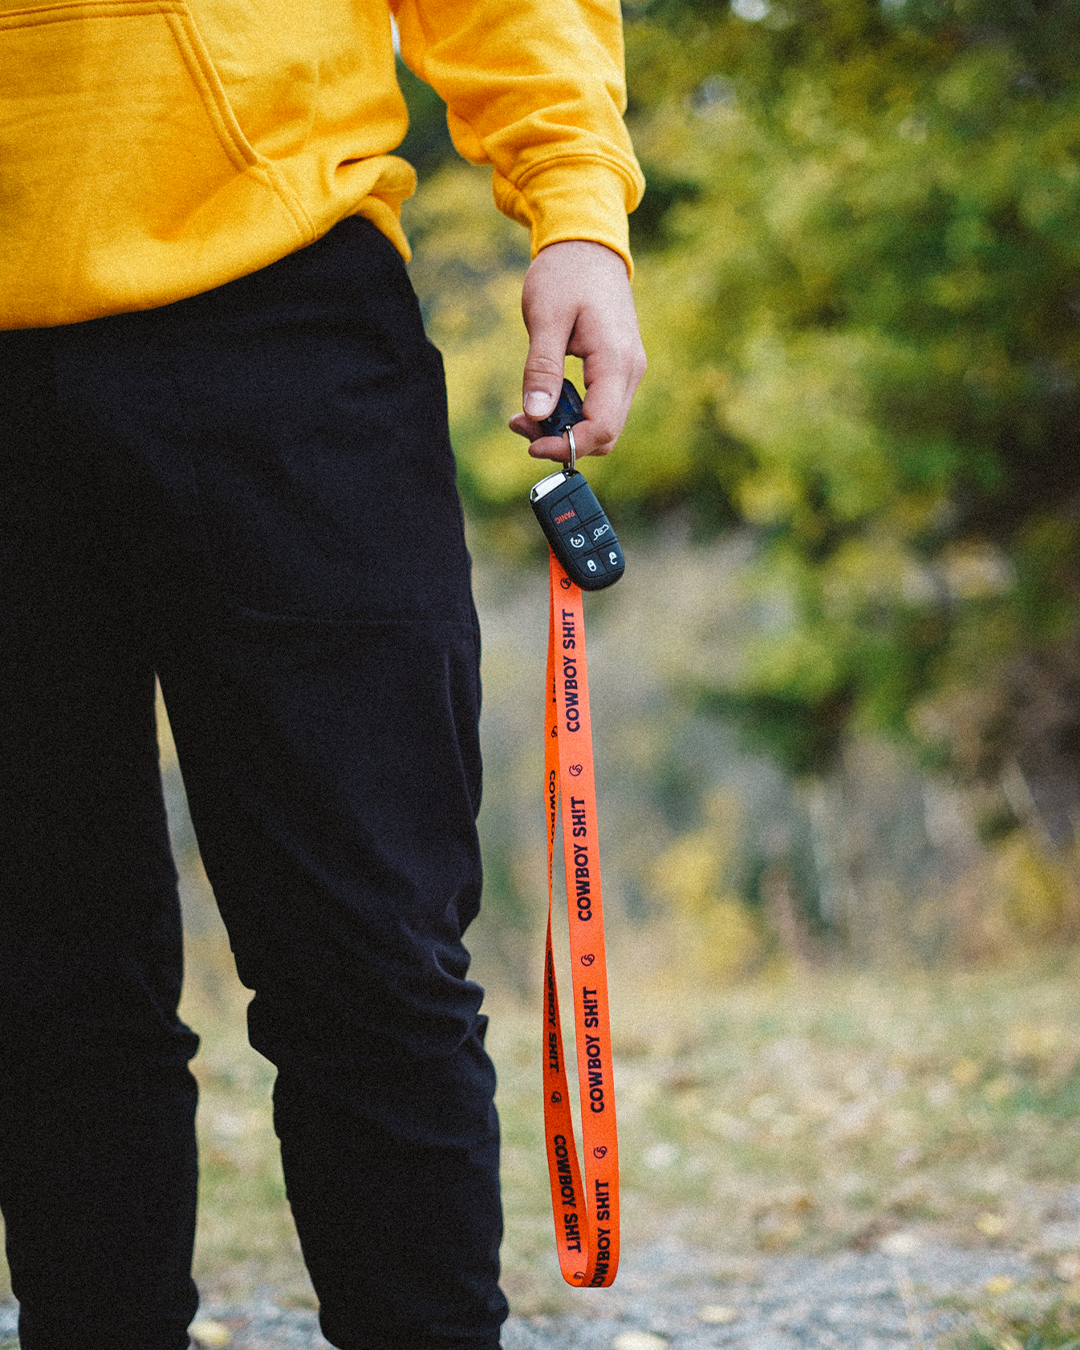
[
  {"x": 579, "y": 541},
  {"x": 584, "y": 502},
  {"x": 593, "y": 566},
  {"x": 613, "y": 558},
  {"x": 599, "y": 531},
  {"x": 564, "y": 517}
]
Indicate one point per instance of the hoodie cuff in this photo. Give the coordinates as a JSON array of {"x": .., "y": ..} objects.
[{"x": 575, "y": 198}]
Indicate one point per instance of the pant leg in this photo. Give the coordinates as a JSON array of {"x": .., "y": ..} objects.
[
  {"x": 97, "y": 1106},
  {"x": 318, "y": 652}
]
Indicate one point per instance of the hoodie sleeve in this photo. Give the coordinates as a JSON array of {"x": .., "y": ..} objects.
[{"x": 536, "y": 89}]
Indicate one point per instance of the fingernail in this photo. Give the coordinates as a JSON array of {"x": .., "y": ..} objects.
[{"x": 537, "y": 403}]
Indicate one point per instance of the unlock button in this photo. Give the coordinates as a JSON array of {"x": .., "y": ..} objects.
[{"x": 612, "y": 557}]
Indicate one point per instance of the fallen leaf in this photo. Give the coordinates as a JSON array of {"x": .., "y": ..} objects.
[
  {"x": 1068, "y": 1268},
  {"x": 900, "y": 1244},
  {"x": 638, "y": 1340},
  {"x": 717, "y": 1314},
  {"x": 213, "y": 1335}
]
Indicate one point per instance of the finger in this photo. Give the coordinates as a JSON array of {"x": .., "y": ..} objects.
[
  {"x": 544, "y": 365},
  {"x": 554, "y": 447},
  {"x": 613, "y": 368},
  {"x": 606, "y": 412},
  {"x": 577, "y": 300},
  {"x": 595, "y": 435},
  {"x": 542, "y": 447}
]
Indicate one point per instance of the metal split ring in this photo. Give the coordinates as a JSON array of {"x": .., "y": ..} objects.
[{"x": 573, "y": 451}]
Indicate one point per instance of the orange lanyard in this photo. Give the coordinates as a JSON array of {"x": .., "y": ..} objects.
[{"x": 586, "y": 1217}]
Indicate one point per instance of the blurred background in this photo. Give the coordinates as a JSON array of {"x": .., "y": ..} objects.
[
  {"x": 836, "y": 694},
  {"x": 838, "y": 689},
  {"x": 840, "y": 683}
]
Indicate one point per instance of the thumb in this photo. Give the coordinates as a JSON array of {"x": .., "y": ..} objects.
[{"x": 544, "y": 367}]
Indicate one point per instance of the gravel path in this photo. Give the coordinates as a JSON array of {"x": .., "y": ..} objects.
[{"x": 697, "y": 1301}]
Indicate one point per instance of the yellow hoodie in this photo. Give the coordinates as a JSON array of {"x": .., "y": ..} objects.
[{"x": 153, "y": 149}]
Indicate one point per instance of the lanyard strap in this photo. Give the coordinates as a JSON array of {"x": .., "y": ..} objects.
[{"x": 586, "y": 1218}]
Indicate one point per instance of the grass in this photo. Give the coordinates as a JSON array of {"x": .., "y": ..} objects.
[
  {"x": 794, "y": 1112},
  {"x": 1032, "y": 1323},
  {"x": 817, "y": 1112}
]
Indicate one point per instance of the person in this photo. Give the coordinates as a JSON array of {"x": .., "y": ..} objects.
[{"x": 225, "y": 462}]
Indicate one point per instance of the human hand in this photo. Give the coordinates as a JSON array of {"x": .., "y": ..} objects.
[{"x": 576, "y": 299}]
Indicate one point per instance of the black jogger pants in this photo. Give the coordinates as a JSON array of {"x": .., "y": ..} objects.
[{"x": 251, "y": 494}]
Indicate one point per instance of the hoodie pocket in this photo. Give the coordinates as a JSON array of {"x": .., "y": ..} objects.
[{"x": 125, "y": 179}]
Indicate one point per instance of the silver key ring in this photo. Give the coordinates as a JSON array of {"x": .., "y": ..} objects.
[{"x": 573, "y": 451}]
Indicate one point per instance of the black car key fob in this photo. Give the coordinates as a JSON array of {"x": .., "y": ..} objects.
[{"x": 573, "y": 520}]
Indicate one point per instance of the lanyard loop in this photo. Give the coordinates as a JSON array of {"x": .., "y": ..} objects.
[{"x": 586, "y": 1216}]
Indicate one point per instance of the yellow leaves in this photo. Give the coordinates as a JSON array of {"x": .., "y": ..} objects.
[
  {"x": 1037, "y": 1044},
  {"x": 975, "y": 79},
  {"x": 1051, "y": 196},
  {"x": 968, "y": 234},
  {"x": 802, "y": 404},
  {"x": 210, "y": 1335},
  {"x": 769, "y": 496},
  {"x": 870, "y": 569},
  {"x": 999, "y": 1089},
  {"x": 688, "y": 875},
  {"x": 961, "y": 289},
  {"x": 777, "y": 1235},
  {"x": 719, "y": 935},
  {"x": 1035, "y": 894},
  {"x": 990, "y": 1225},
  {"x": 732, "y": 942},
  {"x": 1018, "y": 893},
  {"x": 965, "y": 1073}
]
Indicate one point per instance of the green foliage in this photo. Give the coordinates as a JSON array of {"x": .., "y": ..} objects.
[
  {"x": 868, "y": 261},
  {"x": 1054, "y": 1328},
  {"x": 858, "y": 277},
  {"x": 427, "y": 143}
]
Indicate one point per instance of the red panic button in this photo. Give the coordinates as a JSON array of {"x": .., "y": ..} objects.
[{"x": 564, "y": 517}]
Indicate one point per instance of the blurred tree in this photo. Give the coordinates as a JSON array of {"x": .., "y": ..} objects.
[
  {"x": 427, "y": 144},
  {"x": 874, "y": 211},
  {"x": 859, "y": 280}
]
